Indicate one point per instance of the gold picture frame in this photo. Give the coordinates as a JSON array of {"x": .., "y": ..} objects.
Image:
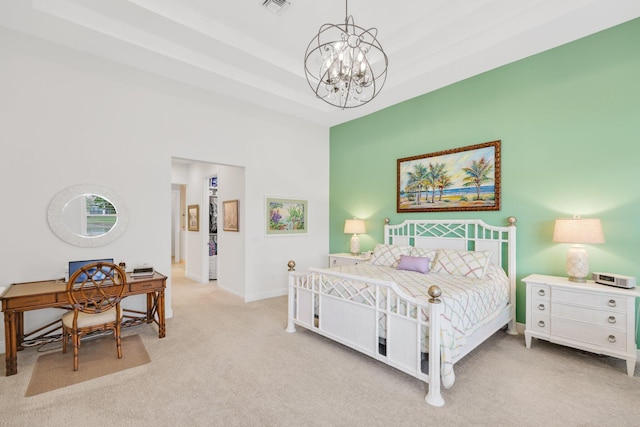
[
  {"x": 193, "y": 217},
  {"x": 460, "y": 179},
  {"x": 230, "y": 217}
]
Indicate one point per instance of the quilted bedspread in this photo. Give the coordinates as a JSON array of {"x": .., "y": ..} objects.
[{"x": 468, "y": 302}]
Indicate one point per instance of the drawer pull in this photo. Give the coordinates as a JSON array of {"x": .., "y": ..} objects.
[
  {"x": 611, "y": 303},
  {"x": 612, "y": 338},
  {"x": 541, "y": 323},
  {"x": 541, "y": 307},
  {"x": 612, "y": 319},
  {"x": 541, "y": 292}
]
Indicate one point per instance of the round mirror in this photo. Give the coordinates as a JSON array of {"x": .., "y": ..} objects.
[{"x": 87, "y": 215}]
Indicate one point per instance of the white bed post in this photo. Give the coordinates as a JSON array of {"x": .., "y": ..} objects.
[
  {"x": 433, "y": 397},
  {"x": 511, "y": 328},
  {"x": 291, "y": 327}
]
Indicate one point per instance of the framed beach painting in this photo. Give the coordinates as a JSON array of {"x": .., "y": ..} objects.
[
  {"x": 460, "y": 179},
  {"x": 286, "y": 216}
]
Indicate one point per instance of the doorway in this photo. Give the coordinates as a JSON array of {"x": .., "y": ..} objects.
[{"x": 196, "y": 250}]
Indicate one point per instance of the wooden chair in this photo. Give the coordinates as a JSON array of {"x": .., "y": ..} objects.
[{"x": 94, "y": 292}]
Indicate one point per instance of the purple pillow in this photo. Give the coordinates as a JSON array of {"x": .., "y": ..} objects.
[{"x": 414, "y": 263}]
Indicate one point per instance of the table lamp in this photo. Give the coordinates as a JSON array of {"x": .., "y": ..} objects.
[
  {"x": 578, "y": 231},
  {"x": 355, "y": 227}
]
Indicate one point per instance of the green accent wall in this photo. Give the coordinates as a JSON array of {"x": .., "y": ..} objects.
[{"x": 569, "y": 122}]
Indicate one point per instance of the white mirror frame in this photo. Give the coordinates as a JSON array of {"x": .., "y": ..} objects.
[{"x": 60, "y": 200}]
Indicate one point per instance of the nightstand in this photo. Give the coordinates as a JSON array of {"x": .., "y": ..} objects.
[
  {"x": 336, "y": 260},
  {"x": 587, "y": 316}
]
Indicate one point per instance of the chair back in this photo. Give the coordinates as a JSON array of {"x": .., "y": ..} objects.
[{"x": 96, "y": 287}]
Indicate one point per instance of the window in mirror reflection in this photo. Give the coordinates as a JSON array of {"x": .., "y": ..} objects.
[{"x": 89, "y": 215}]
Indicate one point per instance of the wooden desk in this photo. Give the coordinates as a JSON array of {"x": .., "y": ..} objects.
[{"x": 28, "y": 296}]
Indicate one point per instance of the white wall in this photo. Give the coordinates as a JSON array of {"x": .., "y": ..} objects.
[{"x": 68, "y": 118}]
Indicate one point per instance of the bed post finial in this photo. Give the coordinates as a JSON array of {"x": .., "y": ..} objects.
[
  {"x": 387, "y": 221},
  {"x": 292, "y": 265},
  {"x": 434, "y": 292},
  {"x": 512, "y": 221}
]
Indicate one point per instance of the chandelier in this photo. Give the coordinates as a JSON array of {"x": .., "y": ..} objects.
[{"x": 345, "y": 65}]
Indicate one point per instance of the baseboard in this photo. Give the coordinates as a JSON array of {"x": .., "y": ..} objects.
[
  {"x": 265, "y": 295},
  {"x": 232, "y": 292},
  {"x": 192, "y": 277}
]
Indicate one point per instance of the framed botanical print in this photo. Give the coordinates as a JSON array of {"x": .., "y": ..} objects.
[{"x": 286, "y": 216}]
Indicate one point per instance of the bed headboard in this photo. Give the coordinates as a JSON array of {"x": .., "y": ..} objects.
[{"x": 460, "y": 234}]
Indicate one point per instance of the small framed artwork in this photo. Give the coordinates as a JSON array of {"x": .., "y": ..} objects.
[
  {"x": 460, "y": 179},
  {"x": 230, "y": 215},
  {"x": 286, "y": 216},
  {"x": 193, "y": 217}
]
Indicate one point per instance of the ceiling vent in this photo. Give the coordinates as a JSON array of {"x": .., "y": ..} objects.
[{"x": 276, "y": 6}]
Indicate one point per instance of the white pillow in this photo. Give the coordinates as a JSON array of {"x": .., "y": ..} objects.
[
  {"x": 388, "y": 255},
  {"x": 462, "y": 263}
]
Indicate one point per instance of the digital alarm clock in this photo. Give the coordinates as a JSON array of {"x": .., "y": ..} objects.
[
  {"x": 142, "y": 271},
  {"x": 612, "y": 279}
]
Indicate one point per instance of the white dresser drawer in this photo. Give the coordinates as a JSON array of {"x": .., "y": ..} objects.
[
  {"x": 590, "y": 334},
  {"x": 585, "y": 299},
  {"x": 577, "y": 298},
  {"x": 540, "y": 292},
  {"x": 605, "y": 318},
  {"x": 541, "y": 307},
  {"x": 540, "y": 323},
  {"x": 336, "y": 262},
  {"x": 613, "y": 303}
]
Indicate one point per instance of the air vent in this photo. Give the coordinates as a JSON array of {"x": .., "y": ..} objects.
[{"x": 276, "y": 6}]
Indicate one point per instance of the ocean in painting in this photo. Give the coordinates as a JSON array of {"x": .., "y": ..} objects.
[{"x": 484, "y": 189}]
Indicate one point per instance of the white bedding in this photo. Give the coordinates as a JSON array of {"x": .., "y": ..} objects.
[{"x": 468, "y": 302}]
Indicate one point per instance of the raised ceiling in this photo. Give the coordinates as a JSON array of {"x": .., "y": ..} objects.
[{"x": 242, "y": 50}]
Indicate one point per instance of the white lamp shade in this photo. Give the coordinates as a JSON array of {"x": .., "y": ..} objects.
[
  {"x": 578, "y": 230},
  {"x": 354, "y": 226}
]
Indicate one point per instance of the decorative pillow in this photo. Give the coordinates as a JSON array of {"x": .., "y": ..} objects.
[
  {"x": 462, "y": 263},
  {"x": 413, "y": 263},
  {"x": 388, "y": 255},
  {"x": 425, "y": 253}
]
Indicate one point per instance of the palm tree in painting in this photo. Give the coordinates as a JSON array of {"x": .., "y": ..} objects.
[
  {"x": 417, "y": 179},
  {"x": 443, "y": 183},
  {"x": 435, "y": 173},
  {"x": 477, "y": 175}
]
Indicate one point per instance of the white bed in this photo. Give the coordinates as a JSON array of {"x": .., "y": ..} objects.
[{"x": 385, "y": 312}]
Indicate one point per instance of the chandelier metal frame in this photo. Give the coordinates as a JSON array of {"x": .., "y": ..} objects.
[{"x": 345, "y": 64}]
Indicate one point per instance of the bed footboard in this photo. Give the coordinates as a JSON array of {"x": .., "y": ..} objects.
[{"x": 373, "y": 317}]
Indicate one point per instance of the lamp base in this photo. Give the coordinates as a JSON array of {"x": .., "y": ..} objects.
[
  {"x": 355, "y": 245},
  {"x": 577, "y": 264}
]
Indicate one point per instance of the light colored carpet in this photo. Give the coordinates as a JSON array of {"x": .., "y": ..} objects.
[
  {"x": 97, "y": 357},
  {"x": 227, "y": 363}
]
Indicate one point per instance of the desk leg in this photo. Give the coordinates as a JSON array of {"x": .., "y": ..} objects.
[
  {"x": 11, "y": 351},
  {"x": 161, "y": 320},
  {"x": 19, "y": 330},
  {"x": 150, "y": 307}
]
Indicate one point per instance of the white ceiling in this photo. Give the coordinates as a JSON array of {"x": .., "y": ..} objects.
[{"x": 240, "y": 49}]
